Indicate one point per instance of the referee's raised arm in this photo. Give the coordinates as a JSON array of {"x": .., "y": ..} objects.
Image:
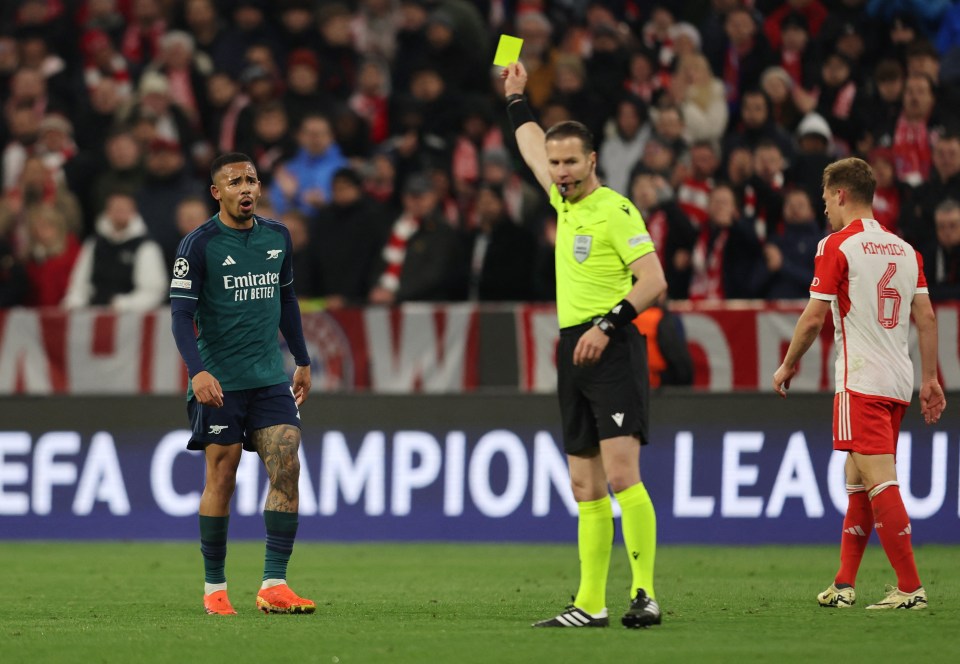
[{"x": 529, "y": 134}]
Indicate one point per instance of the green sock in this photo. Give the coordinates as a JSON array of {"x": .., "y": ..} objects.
[
  {"x": 595, "y": 541},
  {"x": 639, "y": 523},
  {"x": 281, "y": 532},
  {"x": 213, "y": 546}
]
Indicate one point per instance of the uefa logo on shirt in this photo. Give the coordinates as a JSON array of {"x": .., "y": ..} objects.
[{"x": 181, "y": 267}]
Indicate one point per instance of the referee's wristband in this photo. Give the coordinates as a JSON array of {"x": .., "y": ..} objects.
[
  {"x": 620, "y": 315},
  {"x": 519, "y": 111}
]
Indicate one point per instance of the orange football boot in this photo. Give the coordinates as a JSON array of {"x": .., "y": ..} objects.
[
  {"x": 280, "y": 599},
  {"x": 218, "y": 604}
]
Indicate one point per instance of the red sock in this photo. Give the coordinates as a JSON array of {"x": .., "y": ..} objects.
[
  {"x": 893, "y": 528},
  {"x": 857, "y": 526}
]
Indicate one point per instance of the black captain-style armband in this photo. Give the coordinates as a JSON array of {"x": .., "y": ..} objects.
[
  {"x": 620, "y": 315},
  {"x": 519, "y": 111}
]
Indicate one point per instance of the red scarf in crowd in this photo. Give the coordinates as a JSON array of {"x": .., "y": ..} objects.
[
  {"x": 707, "y": 280},
  {"x": 911, "y": 148}
]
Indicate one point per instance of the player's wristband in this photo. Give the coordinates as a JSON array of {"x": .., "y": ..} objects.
[
  {"x": 620, "y": 315},
  {"x": 519, "y": 111}
]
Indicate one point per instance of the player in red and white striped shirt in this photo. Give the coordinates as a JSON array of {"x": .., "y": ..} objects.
[{"x": 873, "y": 282}]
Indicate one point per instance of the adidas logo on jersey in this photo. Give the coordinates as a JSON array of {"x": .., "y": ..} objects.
[{"x": 229, "y": 261}]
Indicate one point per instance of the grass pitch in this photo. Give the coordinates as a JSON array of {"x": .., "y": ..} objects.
[{"x": 457, "y": 603}]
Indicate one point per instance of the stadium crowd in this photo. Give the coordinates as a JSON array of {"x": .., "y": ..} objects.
[{"x": 379, "y": 133}]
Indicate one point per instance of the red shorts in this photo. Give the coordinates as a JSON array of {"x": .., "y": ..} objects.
[{"x": 866, "y": 425}]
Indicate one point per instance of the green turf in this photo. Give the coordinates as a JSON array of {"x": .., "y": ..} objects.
[{"x": 140, "y": 603}]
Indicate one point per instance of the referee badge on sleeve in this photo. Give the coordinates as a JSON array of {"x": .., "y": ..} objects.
[{"x": 581, "y": 247}]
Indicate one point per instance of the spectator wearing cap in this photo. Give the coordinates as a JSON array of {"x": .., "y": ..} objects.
[
  {"x": 942, "y": 183},
  {"x": 119, "y": 266},
  {"x": 814, "y": 153},
  {"x": 303, "y": 94},
  {"x": 423, "y": 258},
  {"x": 502, "y": 254},
  {"x": 625, "y": 135},
  {"x": 166, "y": 182},
  {"x": 156, "y": 106},
  {"x": 891, "y": 199},
  {"x": 941, "y": 258},
  {"x": 304, "y": 181},
  {"x": 347, "y": 237},
  {"x": 813, "y": 12},
  {"x": 701, "y": 98}
]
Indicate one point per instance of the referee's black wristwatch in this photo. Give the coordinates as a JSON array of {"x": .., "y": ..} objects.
[{"x": 606, "y": 326}]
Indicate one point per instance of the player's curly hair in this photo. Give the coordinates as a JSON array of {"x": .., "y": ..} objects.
[{"x": 855, "y": 176}]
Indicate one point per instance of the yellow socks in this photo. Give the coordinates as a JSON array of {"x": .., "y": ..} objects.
[
  {"x": 639, "y": 523},
  {"x": 594, "y": 540}
]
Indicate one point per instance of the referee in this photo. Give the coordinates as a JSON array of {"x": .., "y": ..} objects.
[{"x": 603, "y": 387}]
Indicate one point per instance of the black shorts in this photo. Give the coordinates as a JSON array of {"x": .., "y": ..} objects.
[
  {"x": 608, "y": 399},
  {"x": 242, "y": 413}
]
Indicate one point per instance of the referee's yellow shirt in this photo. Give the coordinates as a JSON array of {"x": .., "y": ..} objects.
[{"x": 597, "y": 239}]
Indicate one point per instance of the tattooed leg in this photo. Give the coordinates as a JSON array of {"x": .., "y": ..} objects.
[{"x": 277, "y": 447}]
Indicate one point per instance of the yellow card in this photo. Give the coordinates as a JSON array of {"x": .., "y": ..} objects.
[{"x": 508, "y": 50}]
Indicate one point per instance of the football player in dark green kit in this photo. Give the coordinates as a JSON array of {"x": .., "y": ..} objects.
[
  {"x": 233, "y": 278},
  {"x": 602, "y": 381}
]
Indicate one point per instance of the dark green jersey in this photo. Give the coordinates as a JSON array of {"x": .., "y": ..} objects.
[
  {"x": 597, "y": 239},
  {"x": 235, "y": 276}
]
